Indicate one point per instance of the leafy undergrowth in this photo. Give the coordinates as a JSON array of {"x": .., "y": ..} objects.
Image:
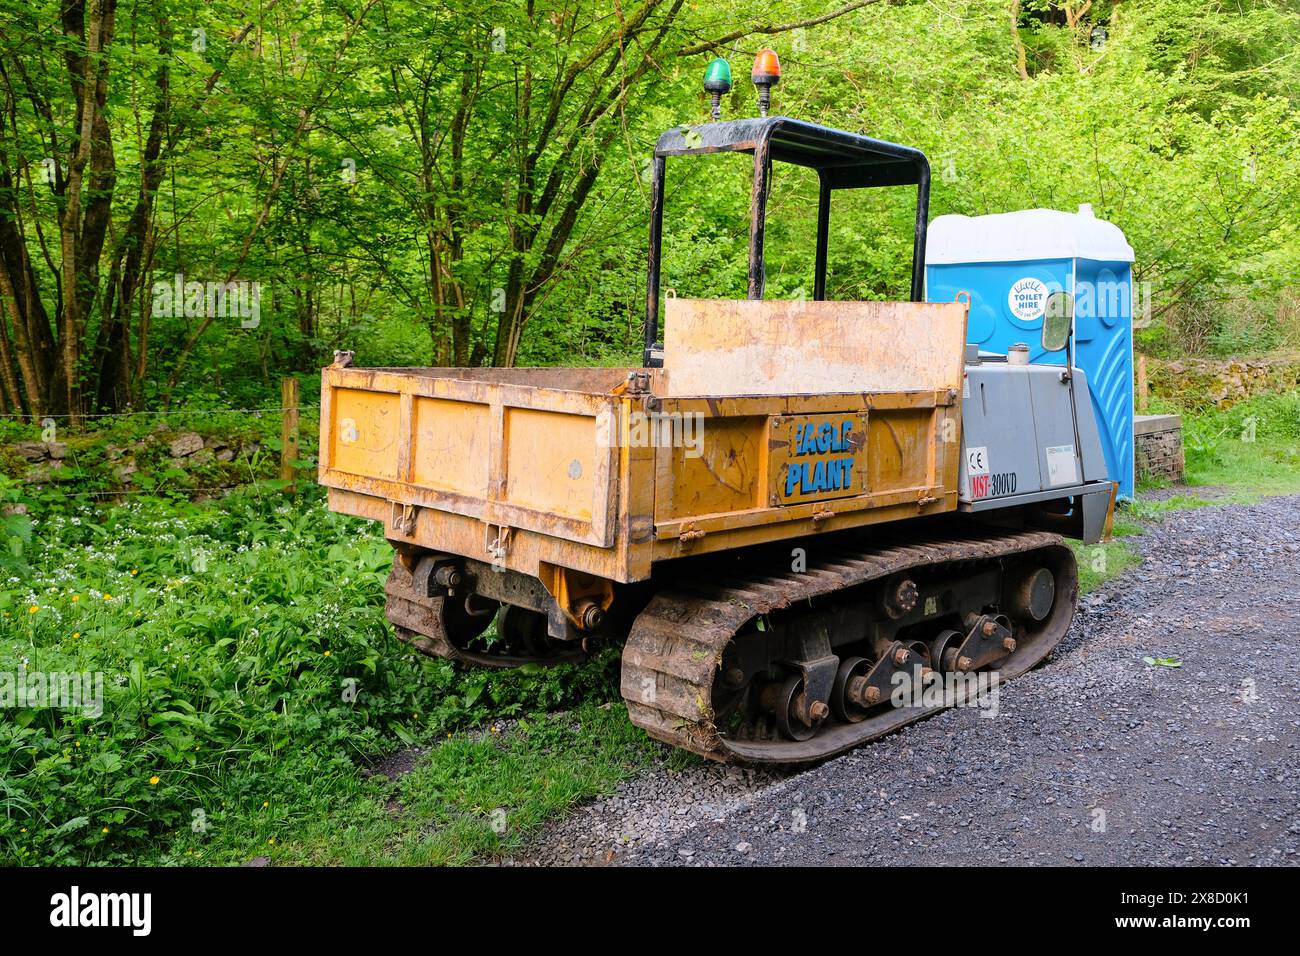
[{"x": 248, "y": 678}]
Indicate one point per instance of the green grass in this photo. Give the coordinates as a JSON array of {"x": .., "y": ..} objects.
[
  {"x": 1148, "y": 509},
  {"x": 1252, "y": 448},
  {"x": 1233, "y": 456},
  {"x": 478, "y": 798},
  {"x": 1099, "y": 563}
]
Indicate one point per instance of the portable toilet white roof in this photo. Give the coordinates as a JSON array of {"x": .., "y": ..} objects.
[{"x": 1028, "y": 234}]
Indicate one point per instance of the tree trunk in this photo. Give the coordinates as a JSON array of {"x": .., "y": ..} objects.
[
  {"x": 91, "y": 176},
  {"x": 112, "y": 351}
]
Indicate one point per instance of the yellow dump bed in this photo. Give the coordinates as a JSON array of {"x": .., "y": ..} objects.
[{"x": 770, "y": 420}]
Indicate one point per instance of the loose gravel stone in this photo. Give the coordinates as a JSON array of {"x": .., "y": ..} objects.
[{"x": 1094, "y": 758}]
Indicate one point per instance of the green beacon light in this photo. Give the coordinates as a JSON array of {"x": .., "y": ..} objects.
[{"x": 717, "y": 80}]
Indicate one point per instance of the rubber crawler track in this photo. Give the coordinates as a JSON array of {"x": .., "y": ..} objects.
[
  {"x": 416, "y": 618},
  {"x": 676, "y": 645},
  {"x": 420, "y": 620}
]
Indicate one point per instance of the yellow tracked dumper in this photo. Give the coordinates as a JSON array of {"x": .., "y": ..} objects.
[{"x": 786, "y": 514}]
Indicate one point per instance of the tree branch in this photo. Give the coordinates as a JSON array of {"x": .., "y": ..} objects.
[{"x": 771, "y": 29}]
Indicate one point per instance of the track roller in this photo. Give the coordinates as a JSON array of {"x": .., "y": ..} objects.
[{"x": 796, "y": 718}]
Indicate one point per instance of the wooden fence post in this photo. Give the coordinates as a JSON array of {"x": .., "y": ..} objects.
[
  {"x": 288, "y": 428},
  {"x": 1142, "y": 383}
]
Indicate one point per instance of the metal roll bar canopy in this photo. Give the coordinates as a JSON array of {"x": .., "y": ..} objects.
[{"x": 842, "y": 161}]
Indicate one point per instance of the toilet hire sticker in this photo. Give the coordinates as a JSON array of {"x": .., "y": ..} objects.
[{"x": 1027, "y": 298}]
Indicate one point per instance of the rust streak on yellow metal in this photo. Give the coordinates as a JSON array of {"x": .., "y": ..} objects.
[{"x": 1108, "y": 527}]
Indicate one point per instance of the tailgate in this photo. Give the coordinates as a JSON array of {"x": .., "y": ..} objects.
[{"x": 515, "y": 456}]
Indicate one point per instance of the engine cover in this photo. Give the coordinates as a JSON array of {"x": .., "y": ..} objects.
[{"x": 1018, "y": 435}]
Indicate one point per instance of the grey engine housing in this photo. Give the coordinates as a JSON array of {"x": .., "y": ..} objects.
[{"x": 1019, "y": 443}]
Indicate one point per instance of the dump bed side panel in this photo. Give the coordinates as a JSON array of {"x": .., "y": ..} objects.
[
  {"x": 827, "y": 415},
  {"x": 509, "y": 455},
  {"x": 783, "y": 467}
]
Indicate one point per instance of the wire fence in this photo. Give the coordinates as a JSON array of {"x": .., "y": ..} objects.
[
  {"x": 291, "y": 469},
  {"x": 157, "y": 492},
  {"x": 177, "y": 413}
]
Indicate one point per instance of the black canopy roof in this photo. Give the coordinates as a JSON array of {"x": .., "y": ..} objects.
[{"x": 846, "y": 160}]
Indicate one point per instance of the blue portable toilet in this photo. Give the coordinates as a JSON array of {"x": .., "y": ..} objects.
[{"x": 1009, "y": 262}]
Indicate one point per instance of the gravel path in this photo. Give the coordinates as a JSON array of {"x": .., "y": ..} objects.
[{"x": 1094, "y": 758}]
